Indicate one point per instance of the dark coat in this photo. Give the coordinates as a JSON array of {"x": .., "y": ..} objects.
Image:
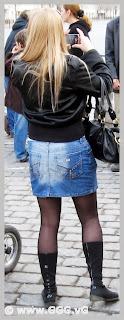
[
  {"x": 19, "y": 25},
  {"x": 112, "y": 47},
  {"x": 13, "y": 99}
]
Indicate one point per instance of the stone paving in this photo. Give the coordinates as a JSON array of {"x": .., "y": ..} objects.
[{"x": 23, "y": 285}]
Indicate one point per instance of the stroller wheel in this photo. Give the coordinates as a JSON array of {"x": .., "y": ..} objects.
[{"x": 12, "y": 247}]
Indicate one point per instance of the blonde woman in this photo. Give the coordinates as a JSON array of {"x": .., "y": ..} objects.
[
  {"x": 76, "y": 18},
  {"x": 54, "y": 86}
]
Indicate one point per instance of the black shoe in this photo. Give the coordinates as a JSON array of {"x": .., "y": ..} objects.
[
  {"x": 98, "y": 293},
  {"x": 25, "y": 159},
  {"x": 115, "y": 167},
  {"x": 11, "y": 134}
]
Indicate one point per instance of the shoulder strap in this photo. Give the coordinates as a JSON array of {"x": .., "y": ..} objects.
[{"x": 104, "y": 92}]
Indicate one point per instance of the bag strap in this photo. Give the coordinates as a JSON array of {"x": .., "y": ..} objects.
[
  {"x": 100, "y": 106},
  {"x": 104, "y": 92}
]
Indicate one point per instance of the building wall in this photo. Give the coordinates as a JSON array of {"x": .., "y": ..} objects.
[
  {"x": 12, "y": 11},
  {"x": 101, "y": 11}
]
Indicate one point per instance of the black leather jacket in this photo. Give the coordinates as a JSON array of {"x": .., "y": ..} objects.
[{"x": 65, "y": 124}]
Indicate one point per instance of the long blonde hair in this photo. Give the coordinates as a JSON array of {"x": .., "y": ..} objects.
[
  {"x": 45, "y": 52},
  {"x": 76, "y": 11}
]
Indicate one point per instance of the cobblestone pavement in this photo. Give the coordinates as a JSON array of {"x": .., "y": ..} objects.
[{"x": 23, "y": 286}]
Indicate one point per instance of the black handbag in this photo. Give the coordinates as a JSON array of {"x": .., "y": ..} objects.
[{"x": 104, "y": 141}]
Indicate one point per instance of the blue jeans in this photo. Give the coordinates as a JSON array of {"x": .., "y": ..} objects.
[
  {"x": 10, "y": 113},
  {"x": 20, "y": 135},
  {"x": 10, "y": 117}
]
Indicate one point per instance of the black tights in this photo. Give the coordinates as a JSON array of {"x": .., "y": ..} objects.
[{"x": 50, "y": 208}]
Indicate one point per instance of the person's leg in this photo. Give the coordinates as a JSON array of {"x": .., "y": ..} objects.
[
  {"x": 20, "y": 135},
  {"x": 6, "y": 82},
  {"x": 10, "y": 113},
  {"x": 6, "y": 125},
  {"x": 86, "y": 207},
  {"x": 10, "y": 118},
  {"x": 50, "y": 209}
]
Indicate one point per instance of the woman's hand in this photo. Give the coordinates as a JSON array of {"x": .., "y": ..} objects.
[{"x": 84, "y": 42}]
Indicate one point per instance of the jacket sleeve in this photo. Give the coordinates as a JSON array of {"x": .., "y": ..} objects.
[
  {"x": 86, "y": 75},
  {"x": 109, "y": 50}
]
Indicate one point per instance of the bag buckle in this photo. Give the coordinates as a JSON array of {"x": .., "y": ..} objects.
[
  {"x": 117, "y": 140},
  {"x": 115, "y": 121},
  {"x": 102, "y": 120}
]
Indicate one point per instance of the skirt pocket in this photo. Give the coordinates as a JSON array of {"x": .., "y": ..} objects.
[{"x": 69, "y": 165}]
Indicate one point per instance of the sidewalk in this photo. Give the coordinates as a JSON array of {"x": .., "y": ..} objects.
[{"x": 24, "y": 285}]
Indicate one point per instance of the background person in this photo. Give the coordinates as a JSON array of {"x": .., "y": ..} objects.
[
  {"x": 54, "y": 86},
  {"x": 13, "y": 100},
  {"x": 112, "y": 60},
  {"x": 76, "y": 18},
  {"x": 20, "y": 24}
]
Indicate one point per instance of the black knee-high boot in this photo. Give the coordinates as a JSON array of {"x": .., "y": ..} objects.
[
  {"x": 94, "y": 256},
  {"x": 48, "y": 263}
]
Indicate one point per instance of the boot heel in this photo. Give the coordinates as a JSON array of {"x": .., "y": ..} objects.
[
  {"x": 94, "y": 298},
  {"x": 49, "y": 304},
  {"x": 49, "y": 299}
]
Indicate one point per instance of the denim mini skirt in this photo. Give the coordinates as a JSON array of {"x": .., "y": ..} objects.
[{"x": 66, "y": 169}]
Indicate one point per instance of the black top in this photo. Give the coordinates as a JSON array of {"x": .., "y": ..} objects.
[
  {"x": 65, "y": 124},
  {"x": 83, "y": 26}
]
